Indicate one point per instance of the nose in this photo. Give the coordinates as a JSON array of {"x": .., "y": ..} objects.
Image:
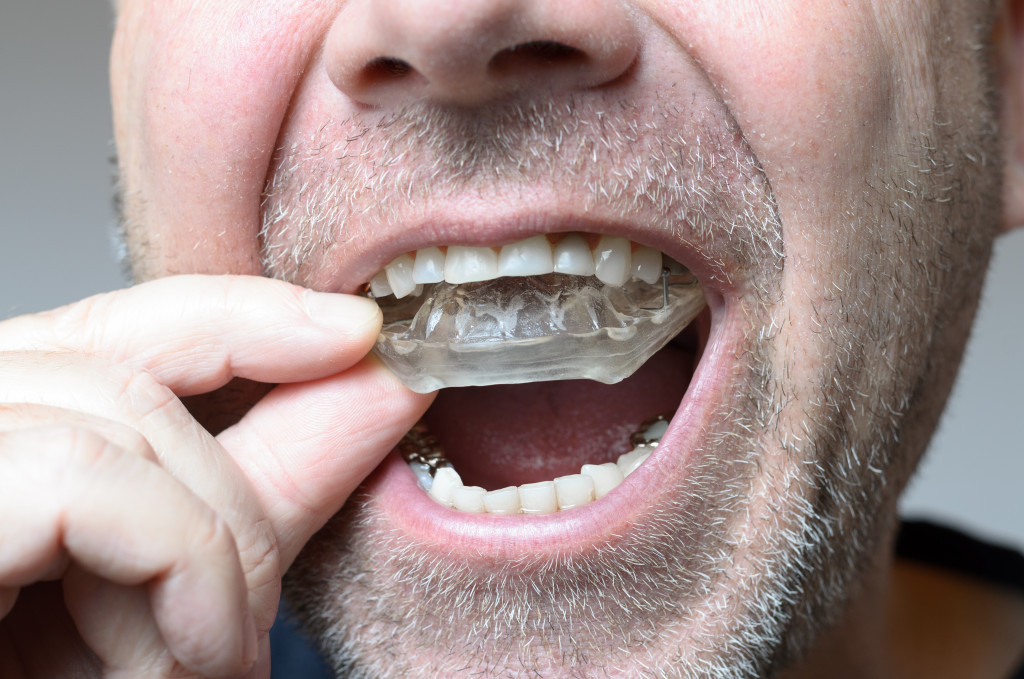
[{"x": 469, "y": 52}]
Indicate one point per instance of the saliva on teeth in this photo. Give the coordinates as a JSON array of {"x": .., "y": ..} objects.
[
  {"x": 530, "y": 311},
  {"x": 593, "y": 482}
]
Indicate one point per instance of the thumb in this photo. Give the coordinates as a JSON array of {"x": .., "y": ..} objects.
[{"x": 305, "y": 447}]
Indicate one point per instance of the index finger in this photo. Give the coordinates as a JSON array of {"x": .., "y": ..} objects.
[{"x": 195, "y": 333}]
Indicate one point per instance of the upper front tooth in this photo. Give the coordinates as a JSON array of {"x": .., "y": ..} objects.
[
  {"x": 647, "y": 264},
  {"x": 573, "y": 256},
  {"x": 465, "y": 264},
  {"x": 399, "y": 273},
  {"x": 429, "y": 266},
  {"x": 529, "y": 257},
  {"x": 379, "y": 285},
  {"x": 612, "y": 260}
]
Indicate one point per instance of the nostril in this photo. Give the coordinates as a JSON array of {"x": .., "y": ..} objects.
[
  {"x": 386, "y": 69},
  {"x": 546, "y": 50},
  {"x": 531, "y": 55}
]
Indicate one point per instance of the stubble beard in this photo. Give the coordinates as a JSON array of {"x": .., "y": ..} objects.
[
  {"x": 394, "y": 604},
  {"x": 693, "y": 592}
]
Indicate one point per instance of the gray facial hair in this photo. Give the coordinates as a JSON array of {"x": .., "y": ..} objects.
[{"x": 381, "y": 604}]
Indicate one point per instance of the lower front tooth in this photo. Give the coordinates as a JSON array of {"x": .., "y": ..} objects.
[
  {"x": 446, "y": 480},
  {"x": 605, "y": 477},
  {"x": 574, "y": 490},
  {"x": 538, "y": 498},
  {"x": 504, "y": 501},
  {"x": 469, "y": 499}
]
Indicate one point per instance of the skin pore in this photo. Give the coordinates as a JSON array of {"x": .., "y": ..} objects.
[{"x": 836, "y": 164}]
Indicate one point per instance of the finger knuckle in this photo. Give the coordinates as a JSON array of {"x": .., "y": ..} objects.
[
  {"x": 57, "y": 455},
  {"x": 211, "y": 532},
  {"x": 22, "y": 416},
  {"x": 134, "y": 442},
  {"x": 141, "y": 393},
  {"x": 72, "y": 447}
]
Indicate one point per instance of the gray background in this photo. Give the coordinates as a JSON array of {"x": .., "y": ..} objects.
[{"x": 56, "y": 222}]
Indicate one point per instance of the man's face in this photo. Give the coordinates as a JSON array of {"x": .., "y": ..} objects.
[{"x": 828, "y": 170}]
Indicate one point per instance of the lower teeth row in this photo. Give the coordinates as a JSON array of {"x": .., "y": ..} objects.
[{"x": 440, "y": 480}]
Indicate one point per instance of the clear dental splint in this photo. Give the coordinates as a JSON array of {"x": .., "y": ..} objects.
[{"x": 529, "y": 329}]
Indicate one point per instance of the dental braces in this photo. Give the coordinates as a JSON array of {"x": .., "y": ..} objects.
[{"x": 420, "y": 447}]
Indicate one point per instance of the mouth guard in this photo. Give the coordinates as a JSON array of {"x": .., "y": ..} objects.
[{"x": 514, "y": 330}]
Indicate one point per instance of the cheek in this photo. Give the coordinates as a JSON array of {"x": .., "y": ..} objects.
[
  {"x": 201, "y": 90},
  {"x": 810, "y": 83}
]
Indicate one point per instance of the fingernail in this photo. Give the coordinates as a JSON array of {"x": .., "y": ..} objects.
[{"x": 335, "y": 310}]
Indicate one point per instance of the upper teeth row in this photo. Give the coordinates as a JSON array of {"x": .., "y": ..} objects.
[{"x": 614, "y": 260}]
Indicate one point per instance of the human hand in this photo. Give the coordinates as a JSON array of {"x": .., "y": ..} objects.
[{"x": 134, "y": 542}]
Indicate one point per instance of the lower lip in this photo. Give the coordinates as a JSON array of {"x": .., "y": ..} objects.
[{"x": 487, "y": 537}]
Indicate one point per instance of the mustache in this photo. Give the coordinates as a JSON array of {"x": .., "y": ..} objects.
[{"x": 686, "y": 171}]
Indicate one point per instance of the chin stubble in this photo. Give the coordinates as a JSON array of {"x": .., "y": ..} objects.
[{"x": 383, "y": 605}]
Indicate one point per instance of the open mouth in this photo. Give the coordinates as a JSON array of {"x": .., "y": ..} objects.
[{"x": 572, "y": 353}]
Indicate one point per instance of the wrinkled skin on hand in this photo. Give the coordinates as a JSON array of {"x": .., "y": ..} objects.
[{"x": 134, "y": 541}]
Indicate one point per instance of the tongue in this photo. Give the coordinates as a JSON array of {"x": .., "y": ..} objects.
[{"x": 513, "y": 434}]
